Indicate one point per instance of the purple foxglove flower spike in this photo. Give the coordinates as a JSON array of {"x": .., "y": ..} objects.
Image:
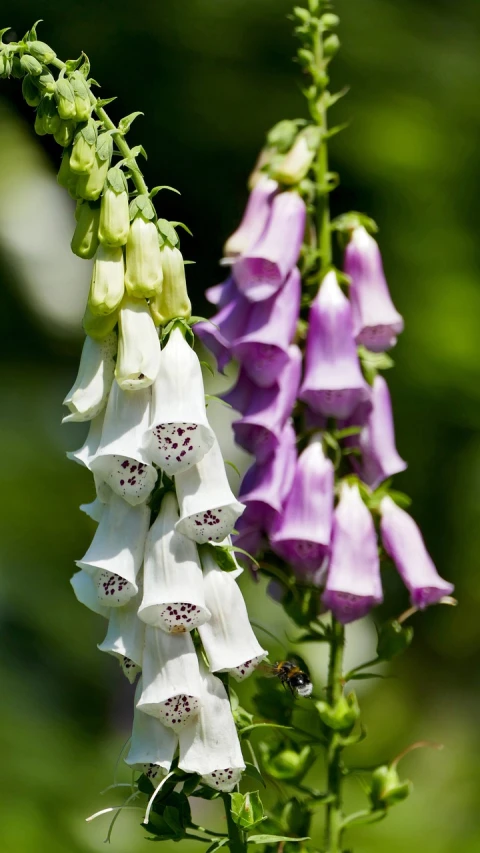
[
  {"x": 301, "y": 534},
  {"x": 376, "y": 322},
  {"x": 220, "y": 294},
  {"x": 353, "y": 582},
  {"x": 223, "y": 329},
  {"x": 152, "y": 745},
  {"x": 403, "y": 542},
  {"x": 333, "y": 384},
  {"x": 125, "y": 637},
  {"x": 254, "y": 221},
  {"x": 263, "y": 349},
  {"x": 264, "y": 487},
  {"x": 377, "y": 439},
  {"x": 260, "y": 428},
  {"x": 262, "y": 270}
]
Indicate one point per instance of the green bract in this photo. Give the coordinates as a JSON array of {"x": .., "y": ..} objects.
[
  {"x": 287, "y": 762},
  {"x": 342, "y": 716},
  {"x": 386, "y": 788}
]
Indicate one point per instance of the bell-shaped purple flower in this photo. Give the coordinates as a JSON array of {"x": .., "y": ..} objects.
[
  {"x": 333, "y": 384},
  {"x": 380, "y": 458},
  {"x": 301, "y": 534},
  {"x": 264, "y": 487},
  {"x": 403, "y": 542},
  {"x": 220, "y": 294},
  {"x": 240, "y": 395},
  {"x": 254, "y": 221},
  {"x": 353, "y": 582},
  {"x": 376, "y": 322},
  {"x": 263, "y": 349},
  {"x": 261, "y": 271},
  {"x": 223, "y": 329},
  {"x": 268, "y": 409},
  {"x": 250, "y": 536}
]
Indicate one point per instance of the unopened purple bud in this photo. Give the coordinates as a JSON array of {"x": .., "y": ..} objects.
[
  {"x": 353, "y": 583},
  {"x": 333, "y": 384},
  {"x": 254, "y": 221},
  {"x": 263, "y": 349},
  {"x": 301, "y": 535},
  {"x": 223, "y": 329},
  {"x": 403, "y": 542},
  {"x": 262, "y": 270},
  {"x": 380, "y": 458},
  {"x": 376, "y": 322},
  {"x": 264, "y": 487},
  {"x": 267, "y": 412}
]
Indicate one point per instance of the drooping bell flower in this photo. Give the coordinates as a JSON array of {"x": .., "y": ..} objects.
[
  {"x": 88, "y": 396},
  {"x": 121, "y": 458},
  {"x": 95, "y": 508},
  {"x": 376, "y": 441},
  {"x": 222, "y": 330},
  {"x": 116, "y": 552},
  {"x": 376, "y": 322},
  {"x": 263, "y": 349},
  {"x": 220, "y": 294},
  {"x": 208, "y": 507},
  {"x": 152, "y": 745},
  {"x": 179, "y": 432},
  {"x": 264, "y": 487},
  {"x": 138, "y": 346},
  {"x": 403, "y": 542},
  {"x": 107, "y": 286},
  {"x": 333, "y": 384},
  {"x": 254, "y": 221},
  {"x": 240, "y": 395},
  {"x": 301, "y": 533},
  {"x": 86, "y": 453},
  {"x": 259, "y": 430},
  {"x": 353, "y": 582},
  {"x": 227, "y": 638},
  {"x": 143, "y": 273},
  {"x": 85, "y": 591},
  {"x": 261, "y": 271},
  {"x": 173, "y": 590},
  {"x": 210, "y": 747},
  {"x": 172, "y": 300},
  {"x": 125, "y": 637},
  {"x": 170, "y": 676}
]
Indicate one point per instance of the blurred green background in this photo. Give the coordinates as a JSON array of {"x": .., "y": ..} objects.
[{"x": 212, "y": 76}]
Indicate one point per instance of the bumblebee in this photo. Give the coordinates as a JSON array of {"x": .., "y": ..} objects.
[{"x": 292, "y": 677}]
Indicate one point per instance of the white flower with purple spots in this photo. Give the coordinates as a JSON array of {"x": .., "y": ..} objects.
[
  {"x": 138, "y": 346},
  {"x": 88, "y": 396},
  {"x": 125, "y": 637},
  {"x": 152, "y": 745},
  {"x": 86, "y": 592}
]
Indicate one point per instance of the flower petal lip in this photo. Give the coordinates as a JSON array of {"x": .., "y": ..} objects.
[
  {"x": 404, "y": 543},
  {"x": 261, "y": 271},
  {"x": 220, "y": 294},
  {"x": 222, "y": 330},
  {"x": 151, "y": 742},
  {"x": 88, "y": 396},
  {"x": 254, "y": 220},
  {"x": 86, "y": 453},
  {"x": 380, "y": 458},
  {"x": 86, "y": 593},
  {"x": 125, "y": 633},
  {"x": 375, "y": 318},
  {"x": 138, "y": 359}
]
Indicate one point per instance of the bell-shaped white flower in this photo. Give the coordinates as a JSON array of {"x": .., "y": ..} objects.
[
  {"x": 94, "y": 509},
  {"x": 138, "y": 346},
  {"x": 121, "y": 459},
  {"x": 208, "y": 507},
  {"x": 85, "y": 591},
  {"x": 108, "y": 285},
  {"x": 211, "y": 746},
  {"x": 180, "y": 434},
  {"x": 88, "y": 396},
  {"x": 173, "y": 590},
  {"x": 125, "y": 638},
  {"x": 171, "y": 678},
  {"x": 116, "y": 552},
  {"x": 85, "y": 453},
  {"x": 228, "y": 638},
  {"x": 152, "y": 745}
]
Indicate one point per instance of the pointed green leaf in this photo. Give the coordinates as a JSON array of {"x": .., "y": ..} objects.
[
  {"x": 125, "y": 123},
  {"x": 232, "y": 465},
  {"x": 142, "y": 204},
  {"x": 105, "y": 145},
  {"x": 156, "y": 190},
  {"x": 73, "y": 64},
  {"x": 182, "y": 225},
  {"x": 254, "y": 773},
  {"x": 137, "y": 150},
  {"x": 101, "y": 102},
  {"x": 274, "y": 839},
  {"x": 116, "y": 180},
  {"x": 217, "y": 844},
  {"x": 167, "y": 231}
]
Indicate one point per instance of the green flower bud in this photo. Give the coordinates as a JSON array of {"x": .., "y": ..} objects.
[
  {"x": 39, "y": 126},
  {"x": 98, "y": 326},
  {"x": 330, "y": 21},
  {"x": 331, "y": 45},
  {"x": 46, "y": 82},
  {"x": 287, "y": 763},
  {"x": 386, "y": 788},
  {"x": 172, "y": 301},
  {"x": 5, "y": 65},
  {"x": 82, "y": 160},
  {"x": 393, "y": 639},
  {"x": 51, "y": 120},
  {"x": 30, "y": 65},
  {"x": 90, "y": 186},
  {"x": 83, "y": 105},
  {"x": 17, "y": 70},
  {"x": 114, "y": 218},
  {"x": 30, "y": 92},
  {"x": 65, "y": 133},
  {"x": 295, "y": 165},
  {"x": 85, "y": 237},
  {"x": 41, "y": 51},
  {"x": 107, "y": 285},
  {"x": 247, "y": 809},
  {"x": 342, "y": 716},
  {"x": 143, "y": 275},
  {"x": 65, "y": 99}
]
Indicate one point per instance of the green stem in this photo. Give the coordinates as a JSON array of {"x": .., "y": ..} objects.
[
  {"x": 334, "y": 818},
  {"x": 323, "y": 205},
  {"x": 237, "y": 841}
]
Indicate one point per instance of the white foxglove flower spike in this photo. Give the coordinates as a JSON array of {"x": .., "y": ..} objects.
[
  {"x": 211, "y": 747},
  {"x": 86, "y": 592},
  {"x": 138, "y": 346},
  {"x": 171, "y": 678},
  {"x": 88, "y": 396},
  {"x": 173, "y": 590},
  {"x": 208, "y": 507},
  {"x": 121, "y": 459},
  {"x": 180, "y": 434},
  {"x": 228, "y": 638},
  {"x": 152, "y": 745},
  {"x": 116, "y": 552},
  {"x": 125, "y": 638}
]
